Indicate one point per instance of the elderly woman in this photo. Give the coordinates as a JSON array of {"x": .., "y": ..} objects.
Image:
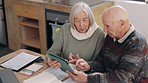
[{"x": 81, "y": 38}]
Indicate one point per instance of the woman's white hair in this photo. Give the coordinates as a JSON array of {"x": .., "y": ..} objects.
[{"x": 79, "y": 7}]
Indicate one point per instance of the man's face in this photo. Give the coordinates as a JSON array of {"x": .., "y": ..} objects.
[
  {"x": 113, "y": 29},
  {"x": 81, "y": 22}
]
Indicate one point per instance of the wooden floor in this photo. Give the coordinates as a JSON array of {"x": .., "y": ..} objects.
[{"x": 4, "y": 50}]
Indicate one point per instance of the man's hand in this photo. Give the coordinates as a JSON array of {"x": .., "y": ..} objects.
[
  {"x": 53, "y": 63},
  {"x": 82, "y": 65},
  {"x": 73, "y": 59},
  {"x": 79, "y": 77}
]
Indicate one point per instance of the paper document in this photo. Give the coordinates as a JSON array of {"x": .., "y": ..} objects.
[
  {"x": 57, "y": 72},
  {"x": 51, "y": 75},
  {"x": 69, "y": 80},
  {"x": 44, "y": 77},
  {"x": 34, "y": 67},
  {"x": 31, "y": 69},
  {"x": 19, "y": 61}
]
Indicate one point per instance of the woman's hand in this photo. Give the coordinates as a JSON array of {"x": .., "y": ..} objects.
[
  {"x": 73, "y": 59},
  {"x": 53, "y": 63},
  {"x": 82, "y": 65}
]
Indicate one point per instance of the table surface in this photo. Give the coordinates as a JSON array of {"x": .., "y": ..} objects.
[{"x": 22, "y": 77}]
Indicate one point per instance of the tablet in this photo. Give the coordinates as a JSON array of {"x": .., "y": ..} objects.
[{"x": 65, "y": 65}]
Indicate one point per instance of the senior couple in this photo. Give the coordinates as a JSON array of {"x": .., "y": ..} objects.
[{"x": 116, "y": 57}]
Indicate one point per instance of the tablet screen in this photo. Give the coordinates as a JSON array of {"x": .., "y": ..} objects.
[{"x": 65, "y": 65}]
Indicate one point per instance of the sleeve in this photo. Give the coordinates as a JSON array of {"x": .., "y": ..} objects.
[
  {"x": 99, "y": 44},
  {"x": 97, "y": 65},
  {"x": 128, "y": 69},
  {"x": 57, "y": 44}
]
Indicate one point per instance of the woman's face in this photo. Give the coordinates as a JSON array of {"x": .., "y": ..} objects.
[{"x": 81, "y": 22}]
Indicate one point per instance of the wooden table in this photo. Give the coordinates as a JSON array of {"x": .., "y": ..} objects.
[{"x": 22, "y": 77}]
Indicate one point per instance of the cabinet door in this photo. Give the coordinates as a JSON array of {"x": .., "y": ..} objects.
[{"x": 27, "y": 11}]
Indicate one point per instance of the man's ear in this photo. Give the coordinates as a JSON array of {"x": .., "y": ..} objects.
[{"x": 122, "y": 22}]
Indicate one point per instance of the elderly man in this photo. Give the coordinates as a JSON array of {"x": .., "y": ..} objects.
[{"x": 122, "y": 56}]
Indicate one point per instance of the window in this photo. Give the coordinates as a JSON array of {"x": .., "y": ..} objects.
[{"x": 139, "y": 0}]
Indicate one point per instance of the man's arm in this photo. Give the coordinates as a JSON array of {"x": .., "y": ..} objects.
[{"x": 129, "y": 67}]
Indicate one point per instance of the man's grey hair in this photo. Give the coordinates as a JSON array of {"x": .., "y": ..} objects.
[{"x": 79, "y": 7}]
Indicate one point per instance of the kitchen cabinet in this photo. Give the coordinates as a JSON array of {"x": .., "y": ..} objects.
[{"x": 28, "y": 26}]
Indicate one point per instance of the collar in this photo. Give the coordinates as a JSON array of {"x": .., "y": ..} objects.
[
  {"x": 121, "y": 40},
  {"x": 82, "y": 36}
]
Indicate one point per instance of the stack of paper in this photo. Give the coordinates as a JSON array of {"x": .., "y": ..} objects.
[
  {"x": 51, "y": 75},
  {"x": 69, "y": 80},
  {"x": 19, "y": 61},
  {"x": 31, "y": 69},
  {"x": 57, "y": 72},
  {"x": 44, "y": 77}
]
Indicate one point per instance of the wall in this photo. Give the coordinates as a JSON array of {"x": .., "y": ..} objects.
[{"x": 138, "y": 15}]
